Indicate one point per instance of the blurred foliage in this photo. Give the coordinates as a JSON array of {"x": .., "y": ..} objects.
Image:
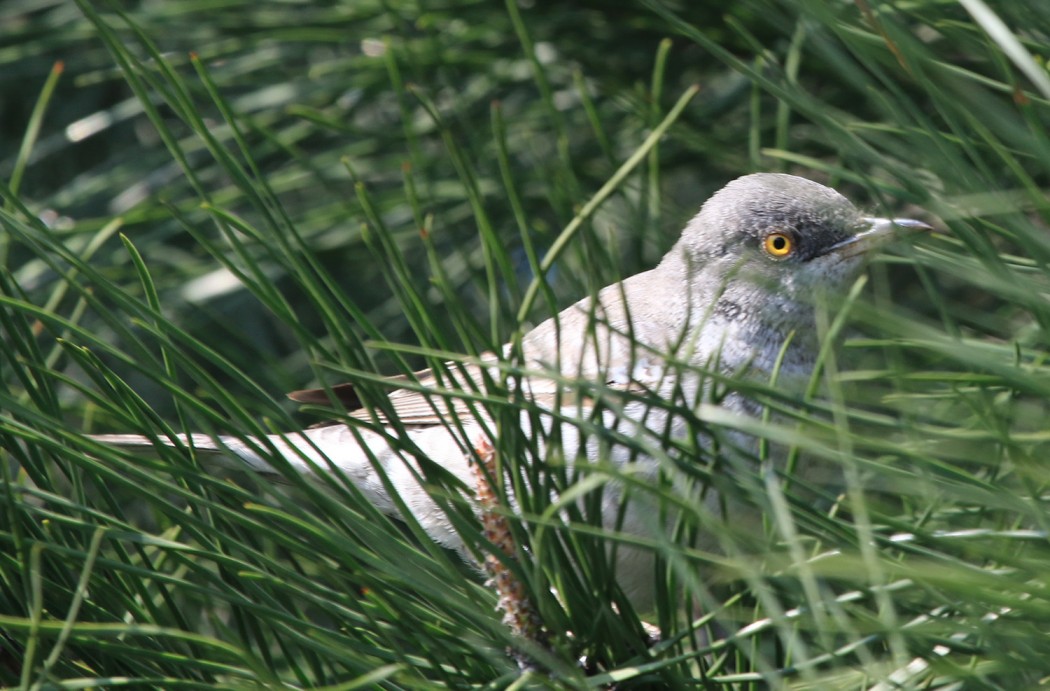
[{"x": 296, "y": 184}]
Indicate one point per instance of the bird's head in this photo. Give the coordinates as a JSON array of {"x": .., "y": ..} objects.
[
  {"x": 754, "y": 259},
  {"x": 773, "y": 239}
]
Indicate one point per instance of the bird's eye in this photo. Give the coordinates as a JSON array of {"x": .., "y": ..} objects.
[{"x": 778, "y": 245}]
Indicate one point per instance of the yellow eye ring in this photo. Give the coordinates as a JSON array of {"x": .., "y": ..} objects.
[{"x": 778, "y": 245}]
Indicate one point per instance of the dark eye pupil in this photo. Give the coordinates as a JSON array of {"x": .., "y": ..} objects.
[{"x": 779, "y": 243}]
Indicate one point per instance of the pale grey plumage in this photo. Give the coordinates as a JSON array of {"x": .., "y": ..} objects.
[{"x": 723, "y": 297}]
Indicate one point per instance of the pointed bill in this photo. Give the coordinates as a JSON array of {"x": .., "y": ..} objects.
[{"x": 878, "y": 233}]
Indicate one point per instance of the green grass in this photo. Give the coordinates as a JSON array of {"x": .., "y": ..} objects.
[{"x": 207, "y": 206}]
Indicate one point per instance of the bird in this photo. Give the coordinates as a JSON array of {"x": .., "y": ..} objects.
[{"x": 734, "y": 297}]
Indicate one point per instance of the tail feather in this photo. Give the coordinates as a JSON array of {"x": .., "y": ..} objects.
[
  {"x": 231, "y": 449},
  {"x": 306, "y": 451},
  {"x": 138, "y": 442},
  {"x": 363, "y": 459}
]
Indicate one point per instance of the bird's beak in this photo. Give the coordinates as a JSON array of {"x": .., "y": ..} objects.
[{"x": 878, "y": 233}]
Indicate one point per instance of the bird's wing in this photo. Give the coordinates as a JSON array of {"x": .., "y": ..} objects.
[
  {"x": 428, "y": 398},
  {"x": 422, "y": 399}
]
